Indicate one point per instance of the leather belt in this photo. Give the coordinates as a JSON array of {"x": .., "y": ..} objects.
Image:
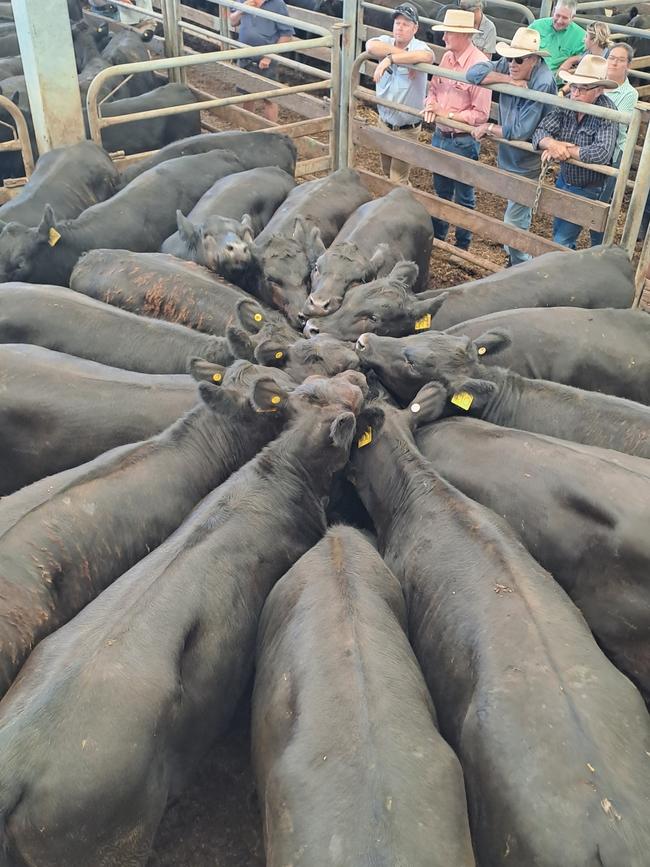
[{"x": 446, "y": 134}]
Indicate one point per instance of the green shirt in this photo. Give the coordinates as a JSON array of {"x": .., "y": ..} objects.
[
  {"x": 560, "y": 44},
  {"x": 624, "y": 98}
]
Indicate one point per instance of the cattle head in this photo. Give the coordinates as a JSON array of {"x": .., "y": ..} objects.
[
  {"x": 257, "y": 324},
  {"x": 221, "y": 244},
  {"x": 384, "y": 306},
  {"x": 22, "y": 248},
  {"x": 327, "y": 412},
  {"x": 336, "y": 270},
  {"x": 406, "y": 364},
  {"x": 322, "y": 355},
  {"x": 286, "y": 264}
]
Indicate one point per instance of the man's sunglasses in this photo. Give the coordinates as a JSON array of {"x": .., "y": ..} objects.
[{"x": 518, "y": 60}]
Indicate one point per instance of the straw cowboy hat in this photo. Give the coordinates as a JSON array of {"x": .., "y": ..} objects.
[
  {"x": 590, "y": 72},
  {"x": 457, "y": 21},
  {"x": 524, "y": 42}
]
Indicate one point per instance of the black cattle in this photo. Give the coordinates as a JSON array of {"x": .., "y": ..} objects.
[
  {"x": 322, "y": 355},
  {"x": 639, "y": 44},
  {"x": 524, "y": 695},
  {"x": 600, "y": 350},
  {"x": 598, "y": 277},
  {"x": 70, "y": 179},
  {"x": 92, "y": 523},
  {"x": 386, "y": 306},
  {"x": 10, "y": 66},
  {"x": 501, "y": 396},
  {"x": 15, "y": 88},
  {"x": 218, "y": 231},
  {"x": 161, "y": 286},
  {"x": 9, "y": 46},
  {"x": 148, "y": 675},
  {"x": 134, "y": 137},
  {"x": 256, "y": 149},
  {"x": 373, "y": 240},
  {"x": 138, "y": 217},
  {"x": 580, "y": 515},
  {"x": 284, "y": 252},
  {"x": 58, "y": 411},
  {"x": 127, "y": 46},
  {"x": 72, "y": 323},
  {"x": 89, "y": 61},
  {"x": 332, "y": 643}
]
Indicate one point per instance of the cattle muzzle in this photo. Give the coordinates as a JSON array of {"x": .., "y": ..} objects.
[
  {"x": 311, "y": 329},
  {"x": 316, "y": 306}
]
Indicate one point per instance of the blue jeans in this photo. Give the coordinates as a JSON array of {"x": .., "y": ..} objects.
[
  {"x": 520, "y": 216},
  {"x": 452, "y": 190},
  {"x": 567, "y": 233},
  {"x": 606, "y": 196}
]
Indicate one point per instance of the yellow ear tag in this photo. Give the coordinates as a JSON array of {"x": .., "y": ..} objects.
[
  {"x": 276, "y": 399},
  {"x": 365, "y": 439},
  {"x": 279, "y": 354},
  {"x": 423, "y": 323},
  {"x": 258, "y": 317},
  {"x": 463, "y": 399},
  {"x": 482, "y": 350},
  {"x": 216, "y": 377},
  {"x": 53, "y": 237}
]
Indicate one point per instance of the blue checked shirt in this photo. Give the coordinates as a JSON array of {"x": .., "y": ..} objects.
[{"x": 595, "y": 136}]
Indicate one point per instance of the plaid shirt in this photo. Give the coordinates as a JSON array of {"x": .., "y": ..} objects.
[{"x": 595, "y": 136}]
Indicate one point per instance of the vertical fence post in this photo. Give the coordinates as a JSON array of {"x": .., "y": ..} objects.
[
  {"x": 546, "y": 8},
  {"x": 621, "y": 180},
  {"x": 638, "y": 200},
  {"x": 171, "y": 11},
  {"x": 335, "y": 97},
  {"x": 224, "y": 24},
  {"x": 348, "y": 47}
]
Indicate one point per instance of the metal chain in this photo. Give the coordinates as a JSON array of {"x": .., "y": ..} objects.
[{"x": 540, "y": 183}]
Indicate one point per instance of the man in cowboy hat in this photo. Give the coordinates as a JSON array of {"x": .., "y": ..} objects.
[
  {"x": 521, "y": 65},
  {"x": 455, "y": 100},
  {"x": 560, "y": 35},
  {"x": 397, "y": 82},
  {"x": 564, "y": 134}
]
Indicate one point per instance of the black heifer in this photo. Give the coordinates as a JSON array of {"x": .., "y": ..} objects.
[
  {"x": 138, "y": 217},
  {"x": 70, "y": 179},
  {"x": 372, "y": 241},
  {"x": 255, "y": 149},
  {"x": 385, "y": 306},
  {"x": 58, "y": 411},
  {"x": 141, "y": 682},
  {"x": 581, "y": 515},
  {"x": 336, "y": 683},
  {"x": 285, "y": 251},
  {"x": 92, "y": 523},
  {"x": 219, "y": 230},
  {"x": 552, "y": 739},
  {"x": 127, "y": 46},
  {"x": 162, "y": 286},
  {"x": 323, "y": 355},
  {"x": 69, "y": 322},
  {"x": 597, "y": 277},
  {"x": 600, "y": 350},
  {"x": 501, "y": 396},
  {"x": 150, "y": 133}
]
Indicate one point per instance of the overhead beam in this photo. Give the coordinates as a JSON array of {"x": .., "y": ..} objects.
[{"x": 45, "y": 40}]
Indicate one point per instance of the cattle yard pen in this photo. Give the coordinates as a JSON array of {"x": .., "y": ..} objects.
[{"x": 328, "y": 131}]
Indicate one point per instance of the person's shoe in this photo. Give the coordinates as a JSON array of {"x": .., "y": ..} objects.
[{"x": 508, "y": 263}]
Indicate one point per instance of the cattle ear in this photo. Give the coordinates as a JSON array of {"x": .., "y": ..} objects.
[
  {"x": 187, "y": 230},
  {"x": 424, "y": 311},
  {"x": 492, "y": 341},
  {"x": 272, "y": 352},
  {"x": 342, "y": 430},
  {"x": 428, "y": 405},
  {"x": 314, "y": 245},
  {"x": 218, "y": 399},
  {"x": 369, "y": 423},
  {"x": 245, "y": 230},
  {"x": 250, "y": 315},
  {"x": 206, "y": 371},
  {"x": 472, "y": 394},
  {"x": 268, "y": 396},
  {"x": 377, "y": 262},
  {"x": 299, "y": 230},
  {"x": 48, "y": 222},
  {"x": 219, "y": 352},
  {"x": 404, "y": 275},
  {"x": 241, "y": 346}
]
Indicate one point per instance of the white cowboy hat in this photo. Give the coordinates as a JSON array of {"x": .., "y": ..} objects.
[
  {"x": 457, "y": 21},
  {"x": 524, "y": 42},
  {"x": 590, "y": 72}
]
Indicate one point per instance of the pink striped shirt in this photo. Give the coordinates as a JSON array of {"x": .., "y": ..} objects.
[{"x": 469, "y": 103}]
